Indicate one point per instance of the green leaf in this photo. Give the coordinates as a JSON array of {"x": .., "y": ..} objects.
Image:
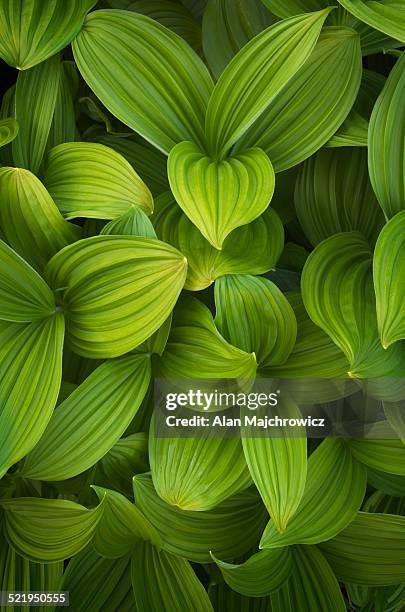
[
  {"x": 29, "y": 218},
  {"x": 230, "y": 529},
  {"x": 159, "y": 89},
  {"x": 34, "y": 30},
  {"x": 352, "y": 133},
  {"x": 386, "y": 134},
  {"x": 117, "y": 291},
  {"x": 287, "y": 8},
  {"x": 219, "y": 196},
  {"x": 157, "y": 573},
  {"x": 224, "y": 598},
  {"x": 388, "y": 16},
  {"x": 333, "y": 194},
  {"x": 390, "y": 484},
  {"x": 132, "y": 223},
  {"x": 311, "y": 586},
  {"x": 35, "y": 99},
  {"x": 8, "y": 130},
  {"x": 263, "y": 573},
  {"x": 256, "y": 75},
  {"x": 370, "y": 551},
  {"x": 395, "y": 414},
  {"x": 309, "y": 109},
  {"x": 278, "y": 466},
  {"x": 250, "y": 249},
  {"x": 24, "y": 296},
  {"x": 383, "y": 455},
  {"x": 389, "y": 280},
  {"x": 196, "y": 349},
  {"x": 91, "y": 180},
  {"x": 30, "y": 376},
  {"x": 334, "y": 491},
  {"x": 91, "y": 420},
  {"x": 227, "y": 26},
  {"x": 63, "y": 127},
  {"x": 254, "y": 315},
  {"x": 48, "y": 530}
]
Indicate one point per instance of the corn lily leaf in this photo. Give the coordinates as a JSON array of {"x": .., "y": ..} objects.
[
  {"x": 387, "y": 131},
  {"x": 134, "y": 222},
  {"x": 390, "y": 484},
  {"x": 370, "y": 551},
  {"x": 29, "y": 218},
  {"x": 24, "y": 296},
  {"x": 262, "y": 574},
  {"x": 225, "y": 598},
  {"x": 389, "y": 279},
  {"x": 383, "y": 455},
  {"x": 254, "y": 315},
  {"x": 311, "y": 586},
  {"x": 91, "y": 420},
  {"x": 230, "y": 529},
  {"x": 278, "y": 466},
  {"x": 219, "y": 196},
  {"x": 288, "y": 8},
  {"x": 63, "y": 127},
  {"x": 165, "y": 98},
  {"x": 196, "y": 7},
  {"x": 387, "y": 16},
  {"x": 256, "y": 75},
  {"x": 394, "y": 413},
  {"x": 121, "y": 526},
  {"x": 333, "y": 194},
  {"x": 227, "y": 26},
  {"x": 311, "y": 106},
  {"x": 250, "y": 249},
  {"x": 372, "y": 84},
  {"x": 33, "y": 30},
  {"x": 352, "y": 133},
  {"x": 48, "y": 530},
  {"x": 142, "y": 277},
  {"x": 8, "y": 130},
  {"x": 334, "y": 491},
  {"x": 157, "y": 573},
  {"x": 30, "y": 376},
  {"x": 90, "y": 180},
  {"x": 338, "y": 293},
  {"x": 98, "y": 583},
  {"x": 196, "y": 349}
]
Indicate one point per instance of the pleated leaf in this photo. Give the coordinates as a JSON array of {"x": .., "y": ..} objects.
[
  {"x": 224, "y": 598},
  {"x": 386, "y": 137},
  {"x": 390, "y": 484},
  {"x": 8, "y": 130},
  {"x": 146, "y": 76},
  {"x": 157, "y": 573},
  {"x": 219, "y": 196},
  {"x": 334, "y": 491},
  {"x": 91, "y": 180},
  {"x": 63, "y": 127},
  {"x": 29, "y": 218},
  {"x": 387, "y": 16},
  {"x": 230, "y": 529},
  {"x": 333, "y": 194},
  {"x": 311, "y": 106},
  {"x": 30, "y": 376},
  {"x": 259, "y": 576},
  {"x": 91, "y": 420},
  {"x": 352, "y": 133},
  {"x": 287, "y": 8},
  {"x": 389, "y": 280},
  {"x": 383, "y": 455},
  {"x": 134, "y": 222},
  {"x": 117, "y": 291},
  {"x": 255, "y": 76},
  {"x": 370, "y": 551}
]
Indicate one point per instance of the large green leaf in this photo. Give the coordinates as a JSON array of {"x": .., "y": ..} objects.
[
  {"x": 311, "y": 106},
  {"x": 33, "y": 30},
  {"x": 91, "y": 420},
  {"x": 386, "y": 135},
  {"x": 134, "y": 222},
  {"x": 389, "y": 280},
  {"x": 24, "y": 296},
  {"x": 8, "y": 130},
  {"x": 146, "y": 75},
  {"x": 370, "y": 551},
  {"x": 225, "y": 598},
  {"x": 254, "y": 315},
  {"x": 30, "y": 376},
  {"x": 250, "y": 249},
  {"x": 287, "y": 8},
  {"x": 63, "y": 127},
  {"x": 390, "y": 484},
  {"x": 219, "y": 196},
  {"x": 333, "y": 194},
  {"x": 334, "y": 491},
  {"x": 155, "y": 574},
  {"x": 255, "y": 76},
  {"x": 116, "y": 291},
  {"x": 29, "y": 218},
  {"x": 383, "y": 455},
  {"x": 388, "y": 16},
  {"x": 352, "y": 133},
  {"x": 229, "y": 530},
  {"x": 91, "y": 180}
]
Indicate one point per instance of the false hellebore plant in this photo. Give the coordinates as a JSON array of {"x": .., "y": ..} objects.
[{"x": 159, "y": 158}]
